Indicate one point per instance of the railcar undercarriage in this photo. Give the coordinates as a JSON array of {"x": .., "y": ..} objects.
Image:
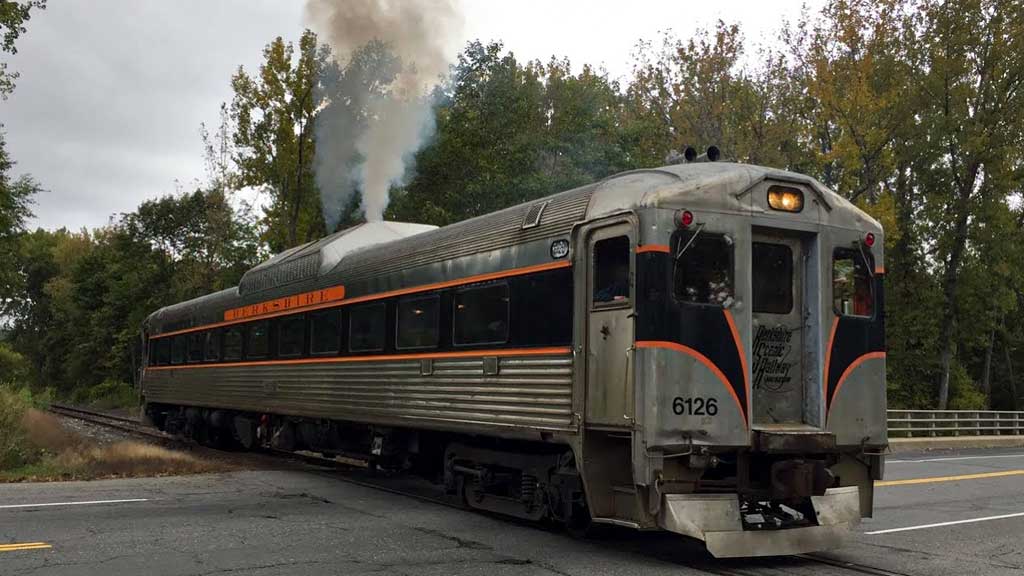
[
  {"x": 725, "y": 498},
  {"x": 528, "y": 480}
]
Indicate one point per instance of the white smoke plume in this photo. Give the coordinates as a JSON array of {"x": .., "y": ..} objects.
[{"x": 379, "y": 111}]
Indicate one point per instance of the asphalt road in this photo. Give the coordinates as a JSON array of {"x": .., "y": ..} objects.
[{"x": 309, "y": 522}]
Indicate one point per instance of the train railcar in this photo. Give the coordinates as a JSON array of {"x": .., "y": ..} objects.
[{"x": 696, "y": 348}]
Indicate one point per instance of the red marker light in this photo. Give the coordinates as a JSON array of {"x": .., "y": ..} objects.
[
  {"x": 686, "y": 218},
  {"x": 869, "y": 239}
]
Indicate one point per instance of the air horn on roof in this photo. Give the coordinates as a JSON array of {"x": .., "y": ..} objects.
[{"x": 712, "y": 154}]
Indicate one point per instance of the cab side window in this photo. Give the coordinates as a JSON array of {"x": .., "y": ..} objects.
[
  {"x": 851, "y": 284},
  {"x": 611, "y": 270},
  {"x": 703, "y": 271}
]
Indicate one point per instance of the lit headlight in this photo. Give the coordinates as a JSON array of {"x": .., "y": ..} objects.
[{"x": 785, "y": 199}]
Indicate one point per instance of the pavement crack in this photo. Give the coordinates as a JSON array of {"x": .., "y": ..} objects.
[
  {"x": 459, "y": 542},
  {"x": 246, "y": 569}
]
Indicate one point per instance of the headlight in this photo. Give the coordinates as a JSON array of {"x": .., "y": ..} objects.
[{"x": 785, "y": 199}]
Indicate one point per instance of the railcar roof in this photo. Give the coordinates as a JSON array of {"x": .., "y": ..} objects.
[{"x": 704, "y": 185}]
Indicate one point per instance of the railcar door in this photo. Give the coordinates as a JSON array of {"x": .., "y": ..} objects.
[
  {"x": 609, "y": 332},
  {"x": 778, "y": 314}
]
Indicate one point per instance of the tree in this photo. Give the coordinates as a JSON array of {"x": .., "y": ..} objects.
[
  {"x": 15, "y": 210},
  {"x": 208, "y": 243},
  {"x": 970, "y": 106},
  {"x": 15, "y": 193},
  {"x": 13, "y": 16},
  {"x": 508, "y": 132},
  {"x": 86, "y": 294},
  {"x": 274, "y": 114},
  {"x": 683, "y": 92}
]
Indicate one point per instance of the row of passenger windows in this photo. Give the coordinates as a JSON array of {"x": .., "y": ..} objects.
[{"x": 480, "y": 316}]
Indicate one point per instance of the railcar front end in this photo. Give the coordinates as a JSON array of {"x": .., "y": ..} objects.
[{"x": 752, "y": 388}]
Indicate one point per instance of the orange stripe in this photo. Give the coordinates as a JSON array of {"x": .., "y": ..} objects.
[
  {"x": 698, "y": 357},
  {"x": 382, "y": 295},
  {"x": 287, "y": 303},
  {"x": 860, "y": 360},
  {"x": 880, "y": 269},
  {"x": 828, "y": 356},
  {"x": 652, "y": 248},
  {"x": 742, "y": 353},
  {"x": 334, "y": 360}
]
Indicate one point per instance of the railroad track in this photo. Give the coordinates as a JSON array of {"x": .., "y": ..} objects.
[
  {"x": 130, "y": 425},
  {"x": 355, "y": 473}
]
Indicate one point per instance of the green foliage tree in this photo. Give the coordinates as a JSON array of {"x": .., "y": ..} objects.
[
  {"x": 508, "y": 132},
  {"x": 970, "y": 103},
  {"x": 86, "y": 294},
  {"x": 15, "y": 209},
  {"x": 274, "y": 114}
]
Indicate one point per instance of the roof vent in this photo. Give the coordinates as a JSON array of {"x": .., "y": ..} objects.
[{"x": 532, "y": 218}]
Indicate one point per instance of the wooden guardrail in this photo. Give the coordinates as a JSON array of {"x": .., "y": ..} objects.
[{"x": 937, "y": 423}]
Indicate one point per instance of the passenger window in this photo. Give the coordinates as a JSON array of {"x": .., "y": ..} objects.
[
  {"x": 703, "y": 272},
  {"x": 179, "y": 349},
  {"x": 481, "y": 315},
  {"x": 212, "y": 345},
  {"x": 417, "y": 322},
  {"x": 851, "y": 284},
  {"x": 366, "y": 328},
  {"x": 233, "y": 343},
  {"x": 195, "y": 347},
  {"x": 542, "y": 308},
  {"x": 325, "y": 332},
  {"x": 258, "y": 343},
  {"x": 163, "y": 351},
  {"x": 291, "y": 336},
  {"x": 773, "y": 278},
  {"x": 611, "y": 270}
]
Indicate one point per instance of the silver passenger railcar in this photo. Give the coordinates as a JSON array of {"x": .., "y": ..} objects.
[{"x": 697, "y": 348}]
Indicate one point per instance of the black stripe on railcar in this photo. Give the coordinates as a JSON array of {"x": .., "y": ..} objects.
[
  {"x": 702, "y": 327},
  {"x": 855, "y": 337},
  {"x": 539, "y": 315}
]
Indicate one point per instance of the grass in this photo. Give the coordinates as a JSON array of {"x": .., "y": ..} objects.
[{"x": 35, "y": 446}]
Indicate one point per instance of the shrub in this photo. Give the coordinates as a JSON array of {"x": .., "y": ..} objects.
[
  {"x": 107, "y": 395},
  {"x": 15, "y": 449},
  {"x": 13, "y": 366}
]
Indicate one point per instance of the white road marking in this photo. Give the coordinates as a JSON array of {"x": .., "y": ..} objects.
[
  {"x": 940, "y": 524},
  {"x": 6, "y": 506},
  {"x": 954, "y": 458}
]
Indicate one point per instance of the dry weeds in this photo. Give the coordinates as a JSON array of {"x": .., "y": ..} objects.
[{"x": 69, "y": 456}]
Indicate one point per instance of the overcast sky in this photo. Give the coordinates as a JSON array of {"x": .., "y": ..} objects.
[{"x": 112, "y": 92}]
